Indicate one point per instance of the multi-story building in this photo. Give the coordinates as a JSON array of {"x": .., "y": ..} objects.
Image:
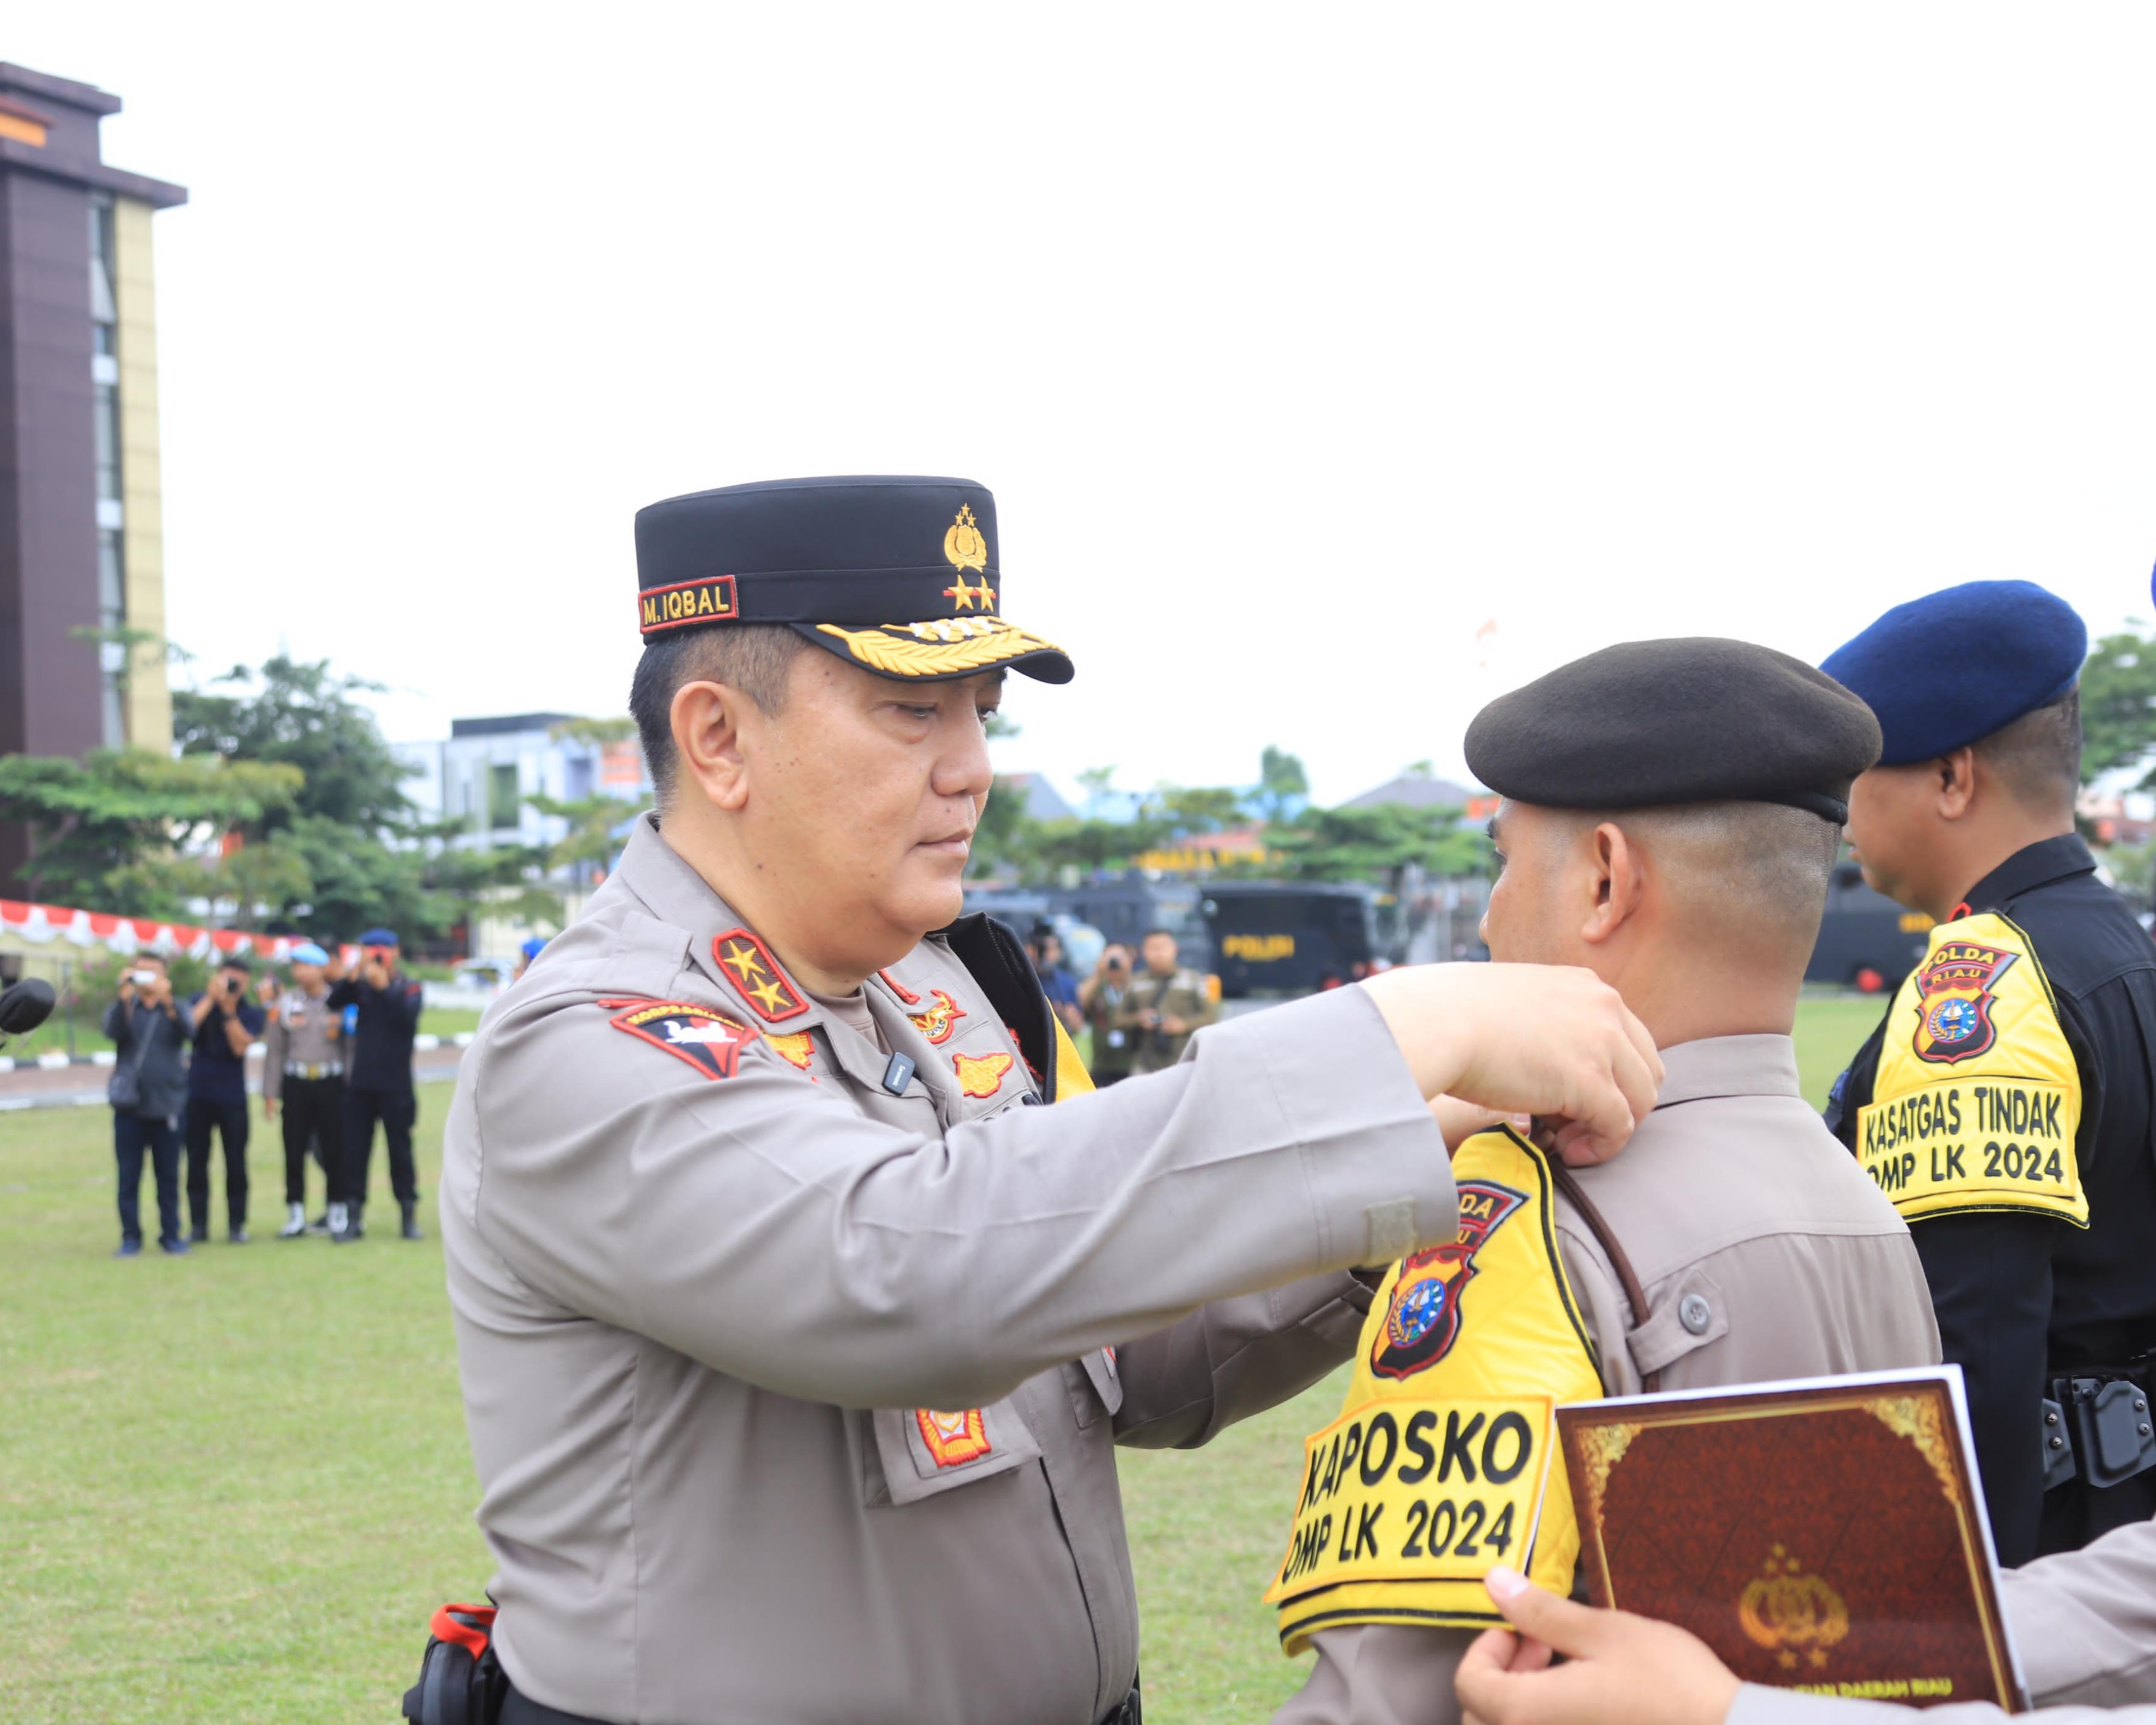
[
  {"x": 81, "y": 551},
  {"x": 484, "y": 776}
]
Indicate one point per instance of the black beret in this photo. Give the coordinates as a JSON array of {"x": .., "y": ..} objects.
[
  {"x": 1949, "y": 669},
  {"x": 898, "y": 575},
  {"x": 1647, "y": 724}
]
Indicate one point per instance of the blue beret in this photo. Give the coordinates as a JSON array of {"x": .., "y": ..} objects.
[
  {"x": 378, "y": 938},
  {"x": 1948, "y": 670},
  {"x": 532, "y": 949},
  {"x": 307, "y": 952}
]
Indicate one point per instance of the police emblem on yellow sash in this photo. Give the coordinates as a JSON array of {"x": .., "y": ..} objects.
[
  {"x": 1977, "y": 1098},
  {"x": 1440, "y": 1463}
]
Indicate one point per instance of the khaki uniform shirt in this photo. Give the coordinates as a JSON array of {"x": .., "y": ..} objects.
[
  {"x": 1182, "y": 994},
  {"x": 696, "y": 1315},
  {"x": 2084, "y": 1623},
  {"x": 302, "y": 1031},
  {"x": 1741, "y": 1214}
]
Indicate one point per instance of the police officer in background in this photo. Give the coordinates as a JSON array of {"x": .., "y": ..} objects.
[
  {"x": 795, "y": 1336},
  {"x": 2005, "y": 1102},
  {"x": 1167, "y": 1004},
  {"x": 377, "y": 1081}
]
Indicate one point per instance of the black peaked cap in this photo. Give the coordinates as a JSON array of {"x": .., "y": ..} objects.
[
  {"x": 897, "y": 574},
  {"x": 1650, "y": 724}
]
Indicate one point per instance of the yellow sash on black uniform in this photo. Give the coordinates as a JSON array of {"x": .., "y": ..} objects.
[
  {"x": 1977, "y": 1096},
  {"x": 1439, "y": 1465}
]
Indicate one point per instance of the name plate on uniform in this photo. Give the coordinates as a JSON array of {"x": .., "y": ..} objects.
[
  {"x": 1824, "y": 1534},
  {"x": 1406, "y": 1489}
]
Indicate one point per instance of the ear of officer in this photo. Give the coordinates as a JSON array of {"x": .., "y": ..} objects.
[
  {"x": 795, "y": 1338},
  {"x": 2004, "y": 1101}
]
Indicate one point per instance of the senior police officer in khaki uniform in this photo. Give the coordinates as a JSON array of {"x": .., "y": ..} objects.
[
  {"x": 794, "y": 1338},
  {"x": 1672, "y": 811}
]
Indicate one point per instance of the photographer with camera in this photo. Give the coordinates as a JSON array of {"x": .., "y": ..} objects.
[
  {"x": 1168, "y": 1003},
  {"x": 147, "y": 1090},
  {"x": 1101, "y": 997},
  {"x": 225, "y": 1026}
]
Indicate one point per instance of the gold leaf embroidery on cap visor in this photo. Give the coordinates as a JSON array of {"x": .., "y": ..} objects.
[{"x": 939, "y": 648}]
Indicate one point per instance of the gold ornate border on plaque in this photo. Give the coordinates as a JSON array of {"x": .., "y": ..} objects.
[
  {"x": 1601, "y": 1448},
  {"x": 1918, "y": 1419}
]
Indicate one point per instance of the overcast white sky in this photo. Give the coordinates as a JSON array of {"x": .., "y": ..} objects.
[{"x": 1297, "y": 344}]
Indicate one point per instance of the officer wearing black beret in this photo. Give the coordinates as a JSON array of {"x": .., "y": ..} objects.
[
  {"x": 2004, "y": 1103},
  {"x": 796, "y": 1337}
]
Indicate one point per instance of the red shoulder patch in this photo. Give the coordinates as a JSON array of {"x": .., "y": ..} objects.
[
  {"x": 710, "y": 1041},
  {"x": 899, "y": 988},
  {"x": 749, "y": 966}
]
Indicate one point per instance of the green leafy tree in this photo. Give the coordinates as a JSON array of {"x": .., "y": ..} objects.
[
  {"x": 301, "y": 715},
  {"x": 1377, "y": 844},
  {"x": 103, "y": 825},
  {"x": 2118, "y": 706},
  {"x": 1283, "y": 787}
]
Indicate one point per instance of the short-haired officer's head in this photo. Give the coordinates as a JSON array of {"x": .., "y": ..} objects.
[
  {"x": 830, "y": 796},
  {"x": 1671, "y": 813},
  {"x": 1976, "y": 688},
  {"x": 1159, "y": 951}
]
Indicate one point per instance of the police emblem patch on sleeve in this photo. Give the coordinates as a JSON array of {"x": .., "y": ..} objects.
[
  {"x": 980, "y": 1075},
  {"x": 1955, "y": 996},
  {"x": 749, "y": 967},
  {"x": 1422, "y": 1321},
  {"x": 937, "y": 1022},
  {"x": 710, "y": 1041}
]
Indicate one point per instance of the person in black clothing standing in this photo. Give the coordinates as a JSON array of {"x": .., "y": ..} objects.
[
  {"x": 225, "y": 1025},
  {"x": 2004, "y": 1102},
  {"x": 377, "y": 1081},
  {"x": 147, "y": 1090}
]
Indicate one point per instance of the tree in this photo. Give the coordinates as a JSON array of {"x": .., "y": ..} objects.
[
  {"x": 1377, "y": 844},
  {"x": 1283, "y": 787},
  {"x": 300, "y": 715},
  {"x": 2118, "y": 706},
  {"x": 110, "y": 822}
]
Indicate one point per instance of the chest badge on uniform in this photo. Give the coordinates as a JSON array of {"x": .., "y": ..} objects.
[
  {"x": 937, "y": 1023},
  {"x": 710, "y": 1041},
  {"x": 1423, "y": 1320},
  {"x": 981, "y": 1075},
  {"x": 749, "y": 966},
  {"x": 797, "y": 1049},
  {"x": 953, "y": 1439},
  {"x": 1953, "y": 1007}
]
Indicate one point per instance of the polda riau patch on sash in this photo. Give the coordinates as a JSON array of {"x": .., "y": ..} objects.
[
  {"x": 686, "y": 602},
  {"x": 750, "y": 968},
  {"x": 708, "y": 1040}
]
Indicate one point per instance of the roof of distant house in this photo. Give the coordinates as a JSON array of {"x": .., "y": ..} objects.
[
  {"x": 1416, "y": 790},
  {"x": 1043, "y": 802},
  {"x": 508, "y": 724}
]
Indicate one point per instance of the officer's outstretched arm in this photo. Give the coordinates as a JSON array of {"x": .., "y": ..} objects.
[{"x": 758, "y": 1222}]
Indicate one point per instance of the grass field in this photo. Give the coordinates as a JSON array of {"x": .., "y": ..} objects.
[{"x": 234, "y": 1485}]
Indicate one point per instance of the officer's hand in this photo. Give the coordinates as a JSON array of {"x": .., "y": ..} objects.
[
  {"x": 268, "y": 1107},
  {"x": 1526, "y": 1039},
  {"x": 1619, "y": 1669},
  {"x": 1460, "y": 1121}
]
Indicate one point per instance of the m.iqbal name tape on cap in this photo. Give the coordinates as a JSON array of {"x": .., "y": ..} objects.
[{"x": 897, "y": 575}]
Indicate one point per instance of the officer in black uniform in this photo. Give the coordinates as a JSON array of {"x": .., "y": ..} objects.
[{"x": 2004, "y": 1102}]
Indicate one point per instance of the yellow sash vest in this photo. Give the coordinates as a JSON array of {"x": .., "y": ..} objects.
[
  {"x": 1442, "y": 1462},
  {"x": 1977, "y": 1097}
]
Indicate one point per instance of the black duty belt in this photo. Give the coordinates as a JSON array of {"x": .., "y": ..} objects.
[{"x": 2097, "y": 1427}]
